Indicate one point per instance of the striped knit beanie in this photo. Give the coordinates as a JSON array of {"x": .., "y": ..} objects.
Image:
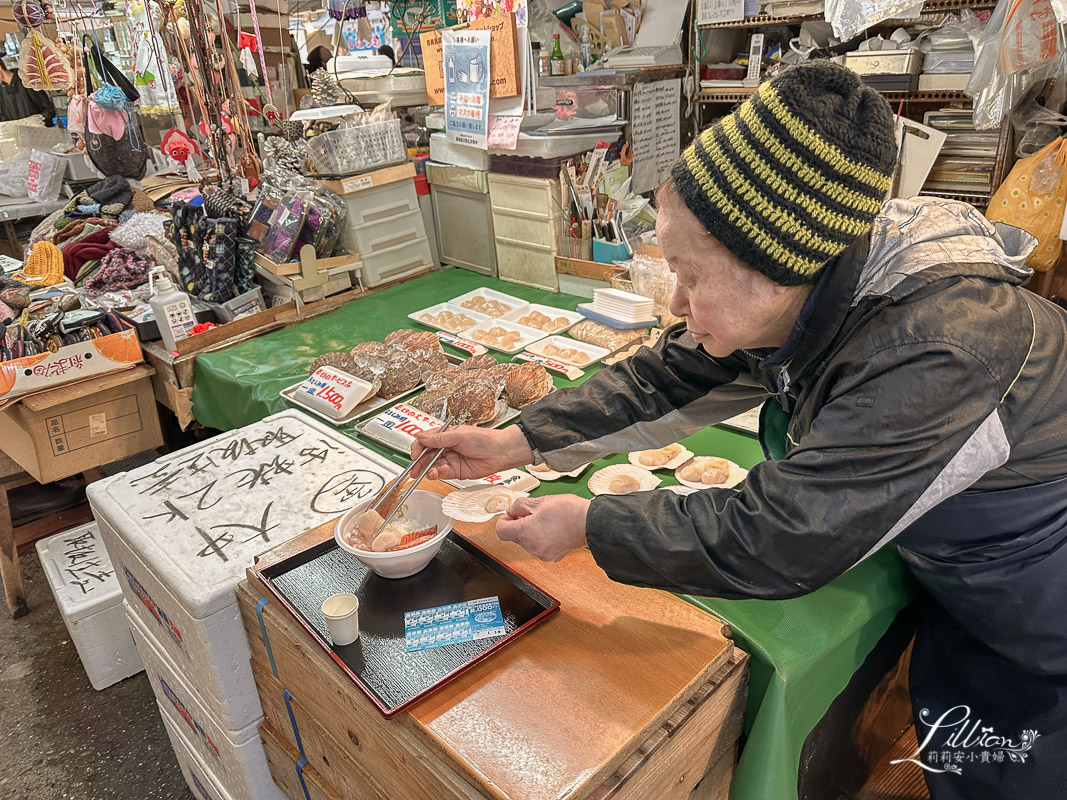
[{"x": 795, "y": 174}]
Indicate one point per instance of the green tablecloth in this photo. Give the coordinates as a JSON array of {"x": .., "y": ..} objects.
[{"x": 804, "y": 651}]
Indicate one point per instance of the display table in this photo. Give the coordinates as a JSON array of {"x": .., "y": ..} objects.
[
  {"x": 804, "y": 651},
  {"x": 624, "y": 693},
  {"x": 14, "y": 209}
]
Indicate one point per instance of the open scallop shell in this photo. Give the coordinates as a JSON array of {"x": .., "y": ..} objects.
[
  {"x": 545, "y": 474},
  {"x": 682, "y": 456},
  {"x": 468, "y": 505},
  {"x": 737, "y": 474},
  {"x": 600, "y": 481}
]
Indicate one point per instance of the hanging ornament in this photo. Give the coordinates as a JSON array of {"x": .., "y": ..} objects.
[
  {"x": 248, "y": 62},
  {"x": 41, "y": 64},
  {"x": 178, "y": 145},
  {"x": 227, "y": 126},
  {"x": 271, "y": 114},
  {"x": 192, "y": 172},
  {"x": 29, "y": 13}
]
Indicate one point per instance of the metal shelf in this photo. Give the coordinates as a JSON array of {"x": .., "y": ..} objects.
[
  {"x": 929, "y": 7},
  {"x": 976, "y": 199},
  {"x": 735, "y": 95}
]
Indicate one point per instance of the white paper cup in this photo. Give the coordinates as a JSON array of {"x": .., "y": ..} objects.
[{"x": 342, "y": 618}]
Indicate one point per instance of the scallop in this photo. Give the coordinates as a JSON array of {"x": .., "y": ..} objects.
[
  {"x": 670, "y": 457},
  {"x": 704, "y": 472},
  {"x": 479, "y": 504},
  {"x": 622, "y": 479},
  {"x": 526, "y": 384},
  {"x": 483, "y": 361},
  {"x": 341, "y": 361}
]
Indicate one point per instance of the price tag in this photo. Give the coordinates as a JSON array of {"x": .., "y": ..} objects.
[
  {"x": 398, "y": 426},
  {"x": 473, "y": 348},
  {"x": 512, "y": 478},
  {"x": 569, "y": 371},
  {"x": 333, "y": 392}
]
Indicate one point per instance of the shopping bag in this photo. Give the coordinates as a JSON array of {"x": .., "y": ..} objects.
[
  {"x": 1032, "y": 198},
  {"x": 44, "y": 178}
]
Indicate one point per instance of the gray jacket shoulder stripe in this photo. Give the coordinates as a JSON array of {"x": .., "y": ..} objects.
[
  {"x": 720, "y": 403},
  {"x": 987, "y": 449}
]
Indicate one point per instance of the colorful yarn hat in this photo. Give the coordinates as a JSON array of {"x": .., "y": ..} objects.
[
  {"x": 796, "y": 173},
  {"x": 44, "y": 267}
]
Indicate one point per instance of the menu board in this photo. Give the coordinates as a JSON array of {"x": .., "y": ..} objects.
[{"x": 655, "y": 132}]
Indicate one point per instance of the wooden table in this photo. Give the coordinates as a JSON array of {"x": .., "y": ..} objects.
[{"x": 625, "y": 693}]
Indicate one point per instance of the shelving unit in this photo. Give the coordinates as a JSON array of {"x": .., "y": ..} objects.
[{"x": 929, "y": 7}]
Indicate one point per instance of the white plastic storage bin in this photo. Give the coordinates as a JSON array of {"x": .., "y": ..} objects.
[
  {"x": 203, "y": 784},
  {"x": 87, "y": 592},
  {"x": 181, "y": 531},
  {"x": 397, "y": 262},
  {"x": 464, "y": 223},
  {"x": 234, "y": 759},
  {"x": 526, "y": 214},
  {"x": 461, "y": 155},
  {"x": 377, "y": 236},
  {"x": 381, "y": 203}
]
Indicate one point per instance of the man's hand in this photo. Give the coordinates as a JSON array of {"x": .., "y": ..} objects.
[
  {"x": 472, "y": 452},
  {"x": 546, "y": 527}
]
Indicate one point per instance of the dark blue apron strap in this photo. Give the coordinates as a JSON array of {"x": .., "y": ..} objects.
[
  {"x": 266, "y": 639},
  {"x": 300, "y": 774},
  {"x": 286, "y": 695}
]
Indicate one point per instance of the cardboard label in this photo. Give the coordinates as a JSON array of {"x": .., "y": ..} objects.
[
  {"x": 569, "y": 371},
  {"x": 355, "y": 184},
  {"x": 97, "y": 425},
  {"x": 398, "y": 426},
  {"x": 473, "y": 348},
  {"x": 332, "y": 391},
  {"x": 504, "y": 75},
  {"x": 511, "y": 478},
  {"x": 459, "y": 622}
]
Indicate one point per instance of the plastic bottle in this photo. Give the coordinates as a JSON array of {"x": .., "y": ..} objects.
[
  {"x": 172, "y": 308},
  {"x": 557, "y": 64},
  {"x": 586, "y": 47}
]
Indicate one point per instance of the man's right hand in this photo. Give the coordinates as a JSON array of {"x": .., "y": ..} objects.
[{"x": 472, "y": 452}]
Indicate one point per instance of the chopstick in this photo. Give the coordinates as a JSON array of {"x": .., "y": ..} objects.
[{"x": 403, "y": 475}]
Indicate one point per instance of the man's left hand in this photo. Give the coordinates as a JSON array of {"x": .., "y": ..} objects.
[{"x": 546, "y": 527}]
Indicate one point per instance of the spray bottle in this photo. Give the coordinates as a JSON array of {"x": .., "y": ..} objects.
[{"x": 172, "y": 309}]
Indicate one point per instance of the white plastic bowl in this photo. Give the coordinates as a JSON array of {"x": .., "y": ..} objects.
[{"x": 425, "y": 508}]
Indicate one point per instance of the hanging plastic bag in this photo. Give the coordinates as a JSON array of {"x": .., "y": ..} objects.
[
  {"x": 849, "y": 18},
  {"x": 1032, "y": 198},
  {"x": 45, "y": 176},
  {"x": 1020, "y": 46}
]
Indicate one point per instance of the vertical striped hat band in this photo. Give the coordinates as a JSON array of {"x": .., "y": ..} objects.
[{"x": 795, "y": 174}]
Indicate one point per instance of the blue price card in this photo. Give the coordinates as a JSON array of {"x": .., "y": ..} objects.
[{"x": 459, "y": 622}]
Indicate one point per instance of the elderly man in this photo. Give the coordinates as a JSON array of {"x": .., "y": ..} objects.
[{"x": 918, "y": 398}]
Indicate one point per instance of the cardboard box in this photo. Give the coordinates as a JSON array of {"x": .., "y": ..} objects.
[
  {"x": 505, "y": 75},
  {"x": 71, "y": 363},
  {"x": 64, "y": 431}
]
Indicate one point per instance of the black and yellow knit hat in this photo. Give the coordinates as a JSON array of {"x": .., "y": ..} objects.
[{"x": 796, "y": 173}]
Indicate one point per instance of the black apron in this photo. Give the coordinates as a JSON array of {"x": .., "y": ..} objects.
[{"x": 989, "y": 667}]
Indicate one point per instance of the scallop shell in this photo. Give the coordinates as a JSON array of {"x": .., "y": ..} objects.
[
  {"x": 737, "y": 474},
  {"x": 544, "y": 473},
  {"x": 473, "y": 403},
  {"x": 682, "y": 456},
  {"x": 338, "y": 360},
  {"x": 432, "y": 402},
  {"x": 526, "y": 384},
  {"x": 371, "y": 350},
  {"x": 600, "y": 481},
  {"x": 446, "y": 378},
  {"x": 483, "y": 361},
  {"x": 469, "y": 505}
]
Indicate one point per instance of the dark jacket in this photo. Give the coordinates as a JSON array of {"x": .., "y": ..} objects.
[
  {"x": 18, "y": 102},
  {"x": 919, "y": 369}
]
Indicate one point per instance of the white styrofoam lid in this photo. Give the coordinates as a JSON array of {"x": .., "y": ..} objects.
[
  {"x": 199, "y": 516},
  {"x": 80, "y": 572}
]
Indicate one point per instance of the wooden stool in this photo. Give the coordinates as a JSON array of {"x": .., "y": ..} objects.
[{"x": 11, "y": 476}]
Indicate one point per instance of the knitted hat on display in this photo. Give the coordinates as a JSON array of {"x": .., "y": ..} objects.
[
  {"x": 796, "y": 173},
  {"x": 45, "y": 265},
  {"x": 112, "y": 191}
]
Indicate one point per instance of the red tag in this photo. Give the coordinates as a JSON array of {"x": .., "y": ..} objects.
[
  {"x": 567, "y": 370},
  {"x": 473, "y": 348}
]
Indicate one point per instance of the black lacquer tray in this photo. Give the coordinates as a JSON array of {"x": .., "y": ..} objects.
[{"x": 377, "y": 662}]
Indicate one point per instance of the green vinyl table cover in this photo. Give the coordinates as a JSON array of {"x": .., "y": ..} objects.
[{"x": 803, "y": 651}]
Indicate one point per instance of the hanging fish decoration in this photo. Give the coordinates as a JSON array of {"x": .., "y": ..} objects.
[
  {"x": 41, "y": 64},
  {"x": 178, "y": 145}
]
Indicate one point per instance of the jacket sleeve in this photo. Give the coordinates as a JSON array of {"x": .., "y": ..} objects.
[
  {"x": 657, "y": 396},
  {"x": 909, "y": 427}
]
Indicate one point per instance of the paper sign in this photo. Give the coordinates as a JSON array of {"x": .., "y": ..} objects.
[
  {"x": 466, "y": 56},
  {"x": 459, "y": 622},
  {"x": 400, "y": 425},
  {"x": 655, "y": 132},
  {"x": 710, "y": 12},
  {"x": 503, "y": 59},
  {"x": 511, "y": 478},
  {"x": 333, "y": 392},
  {"x": 97, "y": 425},
  {"x": 504, "y": 131},
  {"x": 567, "y": 370},
  {"x": 473, "y": 348}
]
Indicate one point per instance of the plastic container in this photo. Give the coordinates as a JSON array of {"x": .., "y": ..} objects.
[
  {"x": 380, "y": 203},
  {"x": 526, "y": 216},
  {"x": 234, "y": 758},
  {"x": 375, "y": 237},
  {"x": 87, "y": 592},
  {"x": 172, "y": 572},
  {"x": 172, "y": 307},
  {"x": 393, "y": 263},
  {"x": 346, "y": 151},
  {"x": 443, "y": 151},
  {"x": 453, "y": 177},
  {"x": 463, "y": 221}
]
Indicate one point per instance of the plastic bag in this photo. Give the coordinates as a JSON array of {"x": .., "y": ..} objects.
[
  {"x": 850, "y": 18},
  {"x": 45, "y": 176},
  {"x": 1020, "y": 46},
  {"x": 14, "y": 173},
  {"x": 652, "y": 278},
  {"x": 1032, "y": 198}
]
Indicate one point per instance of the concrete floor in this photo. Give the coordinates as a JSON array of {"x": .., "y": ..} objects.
[{"x": 61, "y": 739}]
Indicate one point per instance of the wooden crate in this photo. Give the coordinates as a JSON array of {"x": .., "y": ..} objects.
[{"x": 625, "y": 694}]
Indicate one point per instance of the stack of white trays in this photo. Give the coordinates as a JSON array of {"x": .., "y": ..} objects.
[{"x": 622, "y": 306}]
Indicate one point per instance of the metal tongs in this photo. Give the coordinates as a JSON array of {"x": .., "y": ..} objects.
[{"x": 400, "y": 480}]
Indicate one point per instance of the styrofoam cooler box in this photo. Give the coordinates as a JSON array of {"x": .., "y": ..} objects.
[
  {"x": 87, "y": 592},
  {"x": 203, "y": 784},
  {"x": 181, "y": 531},
  {"x": 234, "y": 758}
]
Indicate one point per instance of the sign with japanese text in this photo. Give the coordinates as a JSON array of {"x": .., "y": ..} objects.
[{"x": 466, "y": 67}]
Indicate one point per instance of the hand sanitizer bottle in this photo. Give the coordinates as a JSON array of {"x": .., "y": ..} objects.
[{"x": 172, "y": 308}]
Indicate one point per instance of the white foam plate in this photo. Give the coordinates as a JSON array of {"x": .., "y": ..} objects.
[
  {"x": 437, "y": 309},
  {"x": 674, "y": 463},
  {"x": 528, "y": 335},
  {"x": 595, "y": 353},
  {"x": 737, "y": 474},
  {"x": 573, "y": 317},
  {"x": 491, "y": 294}
]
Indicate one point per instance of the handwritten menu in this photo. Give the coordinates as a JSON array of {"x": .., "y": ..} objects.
[
  {"x": 239, "y": 494},
  {"x": 655, "y": 132}
]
